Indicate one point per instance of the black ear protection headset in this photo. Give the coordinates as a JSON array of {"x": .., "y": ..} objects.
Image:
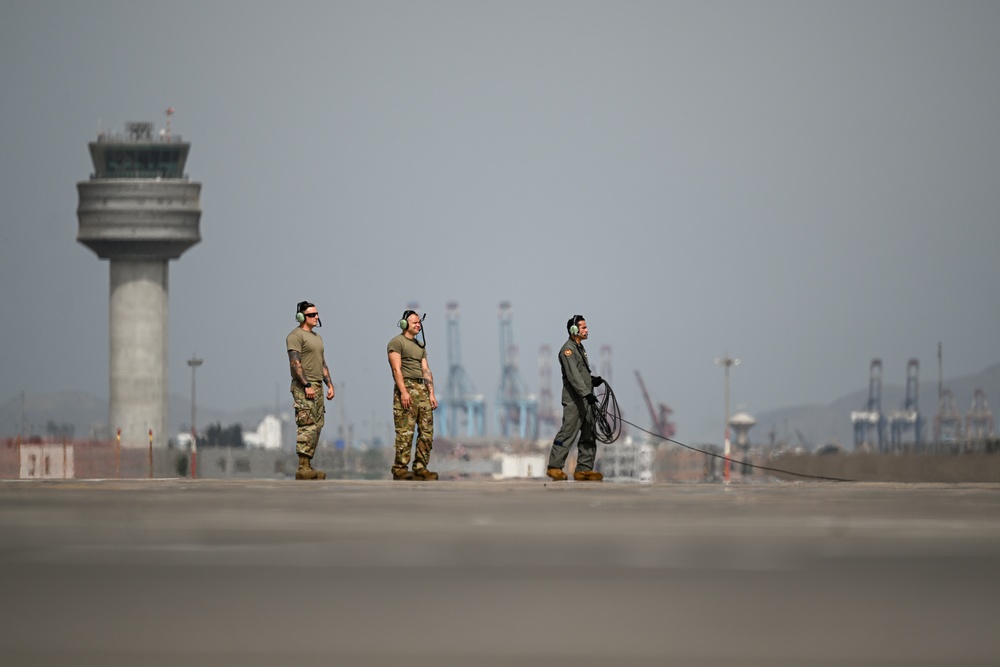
[
  {"x": 300, "y": 313},
  {"x": 572, "y": 327},
  {"x": 404, "y": 324}
]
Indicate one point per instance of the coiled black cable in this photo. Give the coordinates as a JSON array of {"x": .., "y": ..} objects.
[{"x": 607, "y": 416}]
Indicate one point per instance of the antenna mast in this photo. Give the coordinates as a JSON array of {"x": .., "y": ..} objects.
[{"x": 170, "y": 112}]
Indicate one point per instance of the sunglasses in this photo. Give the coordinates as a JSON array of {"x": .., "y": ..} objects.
[{"x": 311, "y": 314}]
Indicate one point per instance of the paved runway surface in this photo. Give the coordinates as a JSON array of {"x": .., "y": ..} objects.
[{"x": 244, "y": 573}]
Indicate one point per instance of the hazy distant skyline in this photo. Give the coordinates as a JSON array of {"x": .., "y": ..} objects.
[{"x": 802, "y": 185}]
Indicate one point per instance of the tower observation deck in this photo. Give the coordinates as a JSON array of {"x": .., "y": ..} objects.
[{"x": 139, "y": 210}]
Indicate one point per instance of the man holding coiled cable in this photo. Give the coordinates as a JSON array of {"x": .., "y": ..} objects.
[{"x": 578, "y": 417}]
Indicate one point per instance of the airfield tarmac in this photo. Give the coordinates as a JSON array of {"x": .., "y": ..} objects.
[{"x": 247, "y": 573}]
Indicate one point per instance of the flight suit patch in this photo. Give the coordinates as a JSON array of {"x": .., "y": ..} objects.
[{"x": 568, "y": 353}]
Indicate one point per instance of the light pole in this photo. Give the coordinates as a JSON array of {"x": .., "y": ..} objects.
[
  {"x": 194, "y": 362},
  {"x": 726, "y": 362}
]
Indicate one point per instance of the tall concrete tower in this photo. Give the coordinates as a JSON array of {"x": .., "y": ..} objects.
[{"x": 139, "y": 210}]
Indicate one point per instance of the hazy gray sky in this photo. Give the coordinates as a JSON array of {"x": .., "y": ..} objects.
[{"x": 806, "y": 185}]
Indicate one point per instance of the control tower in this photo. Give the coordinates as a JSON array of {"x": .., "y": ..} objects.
[{"x": 139, "y": 210}]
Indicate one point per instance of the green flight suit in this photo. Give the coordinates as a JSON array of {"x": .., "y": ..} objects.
[{"x": 577, "y": 415}]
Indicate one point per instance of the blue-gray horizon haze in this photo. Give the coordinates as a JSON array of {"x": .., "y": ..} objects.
[{"x": 805, "y": 186}]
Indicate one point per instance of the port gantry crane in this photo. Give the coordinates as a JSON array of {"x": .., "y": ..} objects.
[
  {"x": 462, "y": 405},
  {"x": 947, "y": 420},
  {"x": 517, "y": 410},
  {"x": 605, "y": 367},
  {"x": 606, "y": 373},
  {"x": 979, "y": 421},
  {"x": 661, "y": 418},
  {"x": 869, "y": 424},
  {"x": 909, "y": 417},
  {"x": 547, "y": 414}
]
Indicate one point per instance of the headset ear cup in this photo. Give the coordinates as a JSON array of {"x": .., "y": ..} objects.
[
  {"x": 574, "y": 330},
  {"x": 402, "y": 324},
  {"x": 300, "y": 318}
]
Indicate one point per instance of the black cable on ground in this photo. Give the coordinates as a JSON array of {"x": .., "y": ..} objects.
[
  {"x": 726, "y": 458},
  {"x": 608, "y": 428}
]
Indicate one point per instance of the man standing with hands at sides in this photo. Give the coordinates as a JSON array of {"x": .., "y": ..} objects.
[
  {"x": 309, "y": 372},
  {"x": 413, "y": 400},
  {"x": 577, "y": 398}
]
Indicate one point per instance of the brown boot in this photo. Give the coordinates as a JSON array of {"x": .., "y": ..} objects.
[
  {"x": 319, "y": 474},
  {"x": 306, "y": 471},
  {"x": 424, "y": 474},
  {"x": 557, "y": 474},
  {"x": 402, "y": 474},
  {"x": 588, "y": 476}
]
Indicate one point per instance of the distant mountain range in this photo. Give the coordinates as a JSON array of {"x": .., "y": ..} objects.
[{"x": 810, "y": 426}]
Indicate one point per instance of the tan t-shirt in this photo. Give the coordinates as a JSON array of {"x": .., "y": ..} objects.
[
  {"x": 411, "y": 355},
  {"x": 309, "y": 345}
]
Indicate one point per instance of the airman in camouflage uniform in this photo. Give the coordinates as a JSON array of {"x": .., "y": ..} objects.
[
  {"x": 413, "y": 400},
  {"x": 577, "y": 397},
  {"x": 309, "y": 371}
]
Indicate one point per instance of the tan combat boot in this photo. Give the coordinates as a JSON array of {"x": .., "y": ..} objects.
[
  {"x": 557, "y": 474},
  {"x": 402, "y": 474},
  {"x": 588, "y": 476},
  {"x": 424, "y": 474},
  {"x": 306, "y": 471}
]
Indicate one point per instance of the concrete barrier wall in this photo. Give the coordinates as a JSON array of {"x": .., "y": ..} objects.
[{"x": 103, "y": 460}]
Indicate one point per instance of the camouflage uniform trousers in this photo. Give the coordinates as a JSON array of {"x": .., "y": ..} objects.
[
  {"x": 310, "y": 415},
  {"x": 420, "y": 416}
]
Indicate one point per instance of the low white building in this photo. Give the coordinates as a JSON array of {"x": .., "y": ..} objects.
[
  {"x": 514, "y": 466},
  {"x": 627, "y": 461},
  {"x": 267, "y": 435}
]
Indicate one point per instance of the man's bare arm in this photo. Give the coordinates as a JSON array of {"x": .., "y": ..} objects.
[
  {"x": 295, "y": 360},
  {"x": 428, "y": 376},
  {"x": 396, "y": 364},
  {"x": 429, "y": 381}
]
